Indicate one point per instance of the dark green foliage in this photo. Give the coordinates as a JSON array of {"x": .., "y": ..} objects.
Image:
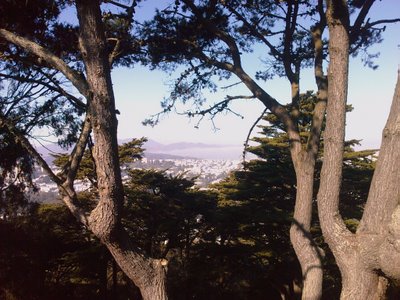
[
  {"x": 128, "y": 153},
  {"x": 261, "y": 197}
]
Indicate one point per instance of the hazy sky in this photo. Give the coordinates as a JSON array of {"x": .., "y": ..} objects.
[{"x": 139, "y": 91}]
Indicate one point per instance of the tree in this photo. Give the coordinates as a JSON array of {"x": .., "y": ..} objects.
[
  {"x": 166, "y": 215},
  {"x": 210, "y": 38},
  {"x": 84, "y": 63},
  {"x": 32, "y": 52},
  {"x": 264, "y": 194},
  {"x": 368, "y": 257}
]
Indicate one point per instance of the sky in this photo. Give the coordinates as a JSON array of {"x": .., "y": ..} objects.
[{"x": 138, "y": 93}]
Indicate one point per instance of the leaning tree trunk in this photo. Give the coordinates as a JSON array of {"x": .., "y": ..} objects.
[
  {"x": 105, "y": 221},
  {"x": 307, "y": 251},
  {"x": 373, "y": 251}
]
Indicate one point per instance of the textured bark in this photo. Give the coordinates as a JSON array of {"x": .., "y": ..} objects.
[
  {"x": 147, "y": 273},
  {"x": 331, "y": 174},
  {"x": 104, "y": 221},
  {"x": 374, "y": 249},
  {"x": 307, "y": 252},
  {"x": 101, "y": 107}
]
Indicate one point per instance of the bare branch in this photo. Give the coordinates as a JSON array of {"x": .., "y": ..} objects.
[
  {"x": 230, "y": 85},
  {"x": 246, "y": 142},
  {"x": 384, "y": 21},
  {"x": 55, "y": 88},
  {"x": 223, "y": 65},
  {"x": 221, "y": 106},
  {"x": 115, "y": 52},
  {"x": 117, "y": 4}
]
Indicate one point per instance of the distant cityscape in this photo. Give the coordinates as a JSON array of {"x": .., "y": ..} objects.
[{"x": 204, "y": 171}]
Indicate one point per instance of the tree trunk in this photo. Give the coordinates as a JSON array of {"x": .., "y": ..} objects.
[
  {"x": 148, "y": 274},
  {"x": 104, "y": 221},
  {"x": 307, "y": 252},
  {"x": 374, "y": 249},
  {"x": 358, "y": 283},
  {"x": 304, "y": 162}
]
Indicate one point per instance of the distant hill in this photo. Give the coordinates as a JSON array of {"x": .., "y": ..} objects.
[
  {"x": 195, "y": 150},
  {"x": 156, "y": 150}
]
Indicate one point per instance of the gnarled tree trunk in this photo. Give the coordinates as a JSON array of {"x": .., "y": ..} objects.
[{"x": 104, "y": 221}]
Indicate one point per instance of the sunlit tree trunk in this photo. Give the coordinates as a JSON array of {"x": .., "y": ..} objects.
[{"x": 364, "y": 256}]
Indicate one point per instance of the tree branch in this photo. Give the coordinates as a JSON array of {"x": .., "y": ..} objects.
[
  {"x": 384, "y": 21},
  {"x": 69, "y": 195},
  {"x": 361, "y": 16},
  {"x": 223, "y": 36},
  {"x": 75, "y": 158},
  {"x": 322, "y": 84},
  {"x": 55, "y": 88},
  {"x": 55, "y": 62},
  {"x": 255, "y": 32},
  {"x": 246, "y": 142}
]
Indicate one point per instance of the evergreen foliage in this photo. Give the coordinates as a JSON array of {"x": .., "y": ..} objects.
[{"x": 260, "y": 198}]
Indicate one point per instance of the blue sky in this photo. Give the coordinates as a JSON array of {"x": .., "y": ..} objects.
[{"x": 139, "y": 91}]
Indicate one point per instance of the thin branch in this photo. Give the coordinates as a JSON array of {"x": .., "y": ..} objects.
[
  {"x": 222, "y": 105},
  {"x": 118, "y": 4},
  {"x": 77, "y": 153},
  {"x": 255, "y": 32},
  {"x": 78, "y": 102},
  {"x": 246, "y": 143},
  {"x": 222, "y": 65},
  {"x": 13, "y": 181},
  {"x": 230, "y": 85},
  {"x": 115, "y": 52},
  {"x": 385, "y": 21}
]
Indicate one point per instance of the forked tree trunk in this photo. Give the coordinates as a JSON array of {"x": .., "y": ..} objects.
[{"x": 374, "y": 250}]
